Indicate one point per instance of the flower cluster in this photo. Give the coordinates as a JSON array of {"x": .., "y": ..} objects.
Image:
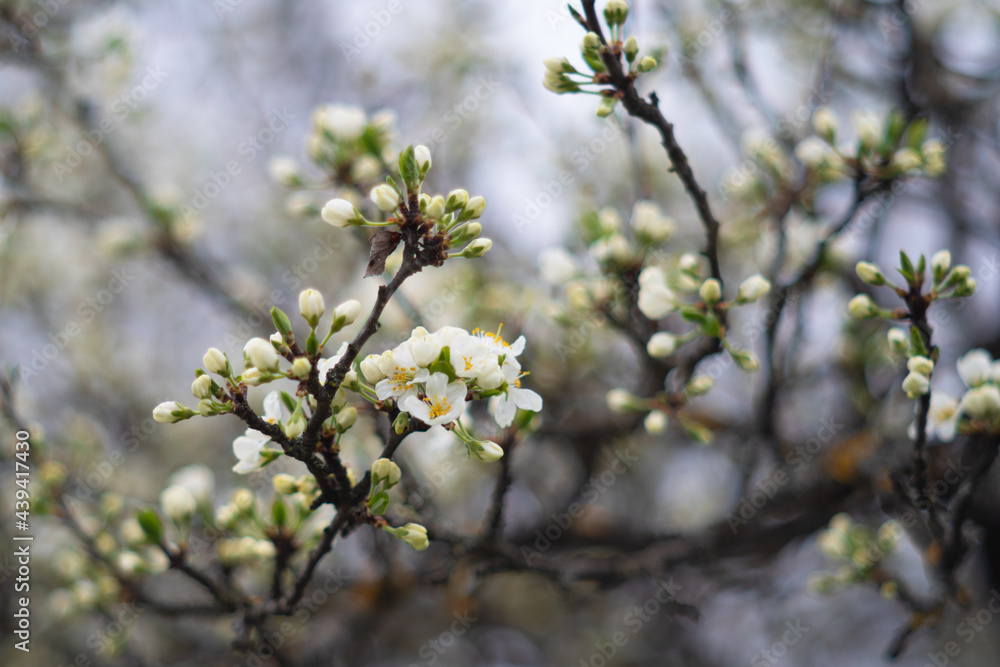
[
  {"x": 947, "y": 282},
  {"x": 562, "y": 77},
  {"x": 432, "y": 376},
  {"x": 979, "y": 405},
  {"x": 445, "y": 221},
  {"x": 861, "y": 548}
]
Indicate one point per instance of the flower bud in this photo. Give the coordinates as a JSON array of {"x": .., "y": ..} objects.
[
  {"x": 746, "y": 360},
  {"x": 661, "y": 344},
  {"x": 170, "y": 412},
  {"x": 710, "y": 291},
  {"x": 262, "y": 354},
  {"x": 385, "y": 197},
  {"x": 202, "y": 386},
  {"x": 940, "y": 264},
  {"x": 825, "y": 123},
  {"x": 655, "y": 422},
  {"x": 920, "y": 365},
  {"x": 474, "y": 208},
  {"x": 615, "y": 12},
  {"x": 688, "y": 264},
  {"x": 253, "y": 377},
  {"x": 906, "y": 159},
  {"x": 491, "y": 376},
  {"x": 423, "y": 155},
  {"x": 207, "y": 408},
  {"x": 811, "y": 152},
  {"x": 621, "y": 401},
  {"x": 591, "y": 41},
  {"x": 370, "y": 368},
  {"x": 870, "y": 273},
  {"x": 346, "y": 313},
  {"x": 340, "y": 213},
  {"x": 413, "y": 534},
  {"x": 477, "y": 248},
  {"x": 435, "y": 207},
  {"x": 401, "y": 423},
  {"x": 285, "y": 484},
  {"x": 215, "y": 362},
  {"x": 698, "y": 385},
  {"x": 861, "y": 307},
  {"x": 385, "y": 470},
  {"x": 982, "y": 402},
  {"x": 457, "y": 199},
  {"x": 486, "y": 451},
  {"x": 346, "y": 418},
  {"x": 753, "y": 288},
  {"x": 647, "y": 63},
  {"x": 899, "y": 341},
  {"x": 631, "y": 48},
  {"x": 284, "y": 170},
  {"x": 300, "y": 368},
  {"x": 649, "y": 223},
  {"x": 311, "y": 306},
  {"x": 177, "y": 502},
  {"x": 295, "y": 425},
  {"x": 916, "y": 385}
]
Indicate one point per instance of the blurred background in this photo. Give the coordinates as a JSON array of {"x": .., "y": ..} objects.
[{"x": 149, "y": 212}]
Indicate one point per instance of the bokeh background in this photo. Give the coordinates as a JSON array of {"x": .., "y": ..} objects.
[{"x": 126, "y": 253}]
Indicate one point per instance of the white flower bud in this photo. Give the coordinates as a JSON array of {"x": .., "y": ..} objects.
[
  {"x": 870, "y": 273},
  {"x": 477, "y": 248},
  {"x": 746, "y": 360},
  {"x": 916, "y": 385},
  {"x": 647, "y": 64},
  {"x": 710, "y": 291},
  {"x": 861, "y": 307},
  {"x": 284, "y": 170},
  {"x": 457, "y": 199},
  {"x": 345, "y": 123},
  {"x": 285, "y": 484},
  {"x": 825, "y": 123},
  {"x": 370, "y": 368},
  {"x": 366, "y": 168},
  {"x": 811, "y": 152},
  {"x": 649, "y": 223},
  {"x": 486, "y": 451},
  {"x": 295, "y": 425},
  {"x": 558, "y": 66},
  {"x": 300, "y": 368},
  {"x": 491, "y": 376},
  {"x": 347, "y": 311},
  {"x": 557, "y": 266},
  {"x": 661, "y": 344},
  {"x": 311, "y": 306},
  {"x": 423, "y": 155},
  {"x": 940, "y": 263},
  {"x": 899, "y": 340},
  {"x": 202, "y": 386},
  {"x": 253, "y": 377},
  {"x": 163, "y": 412},
  {"x": 655, "y": 422},
  {"x": 206, "y": 408},
  {"x": 387, "y": 470},
  {"x": 620, "y": 400},
  {"x": 339, "y": 213},
  {"x": 698, "y": 385},
  {"x": 982, "y": 402},
  {"x": 413, "y": 534},
  {"x": 920, "y": 365},
  {"x": 199, "y": 480},
  {"x": 474, "y": 209},
  {"x": 385, "y": 197},
  {"x": 177, "y": 502},
  {"x": 346, "y": 417},
  {"x": 753, "y": 288},
  {"x": 688, "y": 263},
  {"x": 906, "y": 159},
  {"x": 591, "y": 41},
  {"x": 869, "y": 129},
  {"x": 214, "y": 361},
  {"x": 435, "y": 207},
  {"x": 262, "y": 354},
  {"x": 243, "y": 499}
]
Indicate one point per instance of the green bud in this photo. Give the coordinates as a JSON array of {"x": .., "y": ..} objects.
[
  {"x": 631, "y": 48},
  {"x": 281, "y": 321}
]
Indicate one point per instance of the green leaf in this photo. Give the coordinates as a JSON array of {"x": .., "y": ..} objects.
[
  {"x": 312, "y": 345},
  {"x": 379, "y": 503},
  {"x": 150, "y": 523},
  {"x": 693, "y": 315},
  {"x": 409, "y": 170},
  {"x": 921, "y": 268},
  {"x": 287, "y": 399},
  {"x": 281, "y": 321},
  {"x": 894, "y": 127},
  {"x": 279, "y": 512},
  {"x": 917, "y": 342},
  {"x": 916, "y": 133},
  {"x": 906, "y": 267}
]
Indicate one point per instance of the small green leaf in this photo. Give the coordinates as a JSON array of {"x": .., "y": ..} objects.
[
  {"x": 916, "y": 132},
  {"x": 287, "y": 399},
  {"x": 409, "y": 169},
  {"x": 279, "y": 512},
  {"x": 906, "y": 267},
  {"x": 281, "y": 321},
  {"x": 917, "y": 342},
  {"x": 693, "y": 315},
  {"x": 150, "y": 523},
  {"x": 379, "y": 503}
]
